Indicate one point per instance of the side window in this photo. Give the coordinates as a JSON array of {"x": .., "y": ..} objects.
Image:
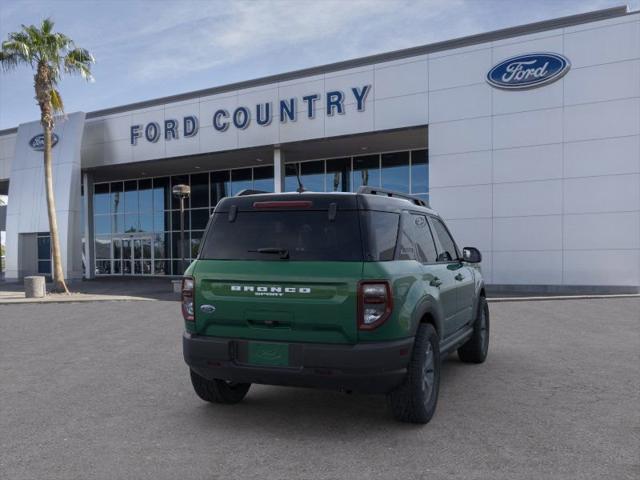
[
  {"x": 407, "y": 250},
  {"x": 448, "y": 251},
  {"x": 426, "y": 248},
  {"x": 381, "y": 233}
]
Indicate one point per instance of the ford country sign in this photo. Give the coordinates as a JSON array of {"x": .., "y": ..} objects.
[
  {"x": 528, "y": 71},
  {"x": 37, "y": 142}
]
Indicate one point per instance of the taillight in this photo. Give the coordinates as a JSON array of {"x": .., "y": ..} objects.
[
  {"x": 375, "y": 303},
  {"x": 187, "y": 299}
]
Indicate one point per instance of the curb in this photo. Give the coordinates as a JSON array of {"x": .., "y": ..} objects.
[{"x": 21, "y": 301}]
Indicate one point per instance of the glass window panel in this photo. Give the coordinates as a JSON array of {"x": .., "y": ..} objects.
[
  {"x": 219, "y": 186},
  {"x": 44, "y": 266},
  {"x": 161, "y": 194},
  {"x": 160, "y": 243},
  {"x": 447, "y": 251},
  {"x": 103, "y": 267},
  {"x": 126, "y": 267},
  {"x": 290, "y": 177},
  {"x": 200, "y": 190},
  {"x": 117, "y": 248},
  {"x": 146, "y": 267},
  {"x": 161, "y": 222},
  {"x": 137, "y": 248},
  {"x": 175, "y": 245},
  {"x": 338, "y": 175},
  {"x": 146, "y": 248},
  {"x": 179, "y": 180},
  {"x": 117, "y": 198},
  {"x": 240, "y": 180},
  {"x": 395, "y": 171},
  {"x": 131, "y": 222},
  {"x": 199, "y": 218},
  {"x": 179, "y": 267},
  {"x": 420, "y": 171},
  {"x": 117, "y": 223},
  {"x": 127, "y": 250},
  {"x": 196, "y": 239},
  {"x": 117, "y": 267},
  {"x": 175, "y": 220},
  {"x": 366, "y": 171},
  {"x": 145, "y": 195},
  {"x": 263, "y": 178},
  {"x": 101, "y": 198},
  {"x": 103, "y": 247},
  {"x": 146, "y": 222},
  {"x": 131, "y": 203},
  {"x": 312, "y": 176},
  {"x": 44, "y": 247},
  {"x": 161, "y": 267},
  {"x": 102, "y": 224}
]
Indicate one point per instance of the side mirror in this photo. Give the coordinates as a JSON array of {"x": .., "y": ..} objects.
[{"x": 471, "y": 255}]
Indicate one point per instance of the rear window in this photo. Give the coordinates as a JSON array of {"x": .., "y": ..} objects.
[
  {"x": 302, "y": 235},
  {"x": 274, "y": 235}
]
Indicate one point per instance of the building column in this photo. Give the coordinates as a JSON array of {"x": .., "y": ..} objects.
[
  {"x": 87, "y": 221},
  {"x": 278, "y": 170}
]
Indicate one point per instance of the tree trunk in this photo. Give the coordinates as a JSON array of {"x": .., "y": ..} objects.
[{"x": 59, "y": 284}]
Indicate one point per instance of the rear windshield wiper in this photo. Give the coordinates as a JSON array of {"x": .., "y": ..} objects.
[{"x": 283, "y": 252}]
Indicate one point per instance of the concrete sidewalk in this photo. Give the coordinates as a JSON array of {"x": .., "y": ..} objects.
[{"x": 103, "y": 289}]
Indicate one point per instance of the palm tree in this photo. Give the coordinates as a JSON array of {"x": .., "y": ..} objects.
[{"x": 49, "y": 54}]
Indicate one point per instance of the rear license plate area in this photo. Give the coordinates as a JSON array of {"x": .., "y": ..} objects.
[{"x": 268, "y": 354}]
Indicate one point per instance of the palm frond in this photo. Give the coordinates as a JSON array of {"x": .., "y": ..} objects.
[
  {"x": 79, "y": 61},
  {"x": 56, "y": 101}
]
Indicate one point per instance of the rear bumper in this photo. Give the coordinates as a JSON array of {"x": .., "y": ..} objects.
[{"x": 368, "y": 367}]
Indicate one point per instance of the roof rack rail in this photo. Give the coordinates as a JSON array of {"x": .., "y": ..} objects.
[
  {"x": 248, "y": 191},
  {"x": 390, "y": 193}
]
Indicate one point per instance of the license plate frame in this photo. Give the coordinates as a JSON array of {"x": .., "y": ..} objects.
[{"x": 267, "y": 354}]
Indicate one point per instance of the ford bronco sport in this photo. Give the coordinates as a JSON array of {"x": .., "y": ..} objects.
[{"x": 358, "y": 292}]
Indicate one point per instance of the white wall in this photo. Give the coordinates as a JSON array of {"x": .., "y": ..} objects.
[
  {"x": 7, "y": 151},
  {"x": 545, "y": 181}
]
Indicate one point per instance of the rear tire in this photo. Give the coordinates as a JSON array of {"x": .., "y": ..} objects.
[
  {"x": 415, "y": 400},
  {"x": 477, "y": 347},
  {"x": 218, "y": 391}
]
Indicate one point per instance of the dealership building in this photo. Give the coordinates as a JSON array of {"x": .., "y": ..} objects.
[{"x": 526, "y": 140}]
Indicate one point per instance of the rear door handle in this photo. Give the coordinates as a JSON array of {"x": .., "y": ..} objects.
[
  {"x": 436, "y": 282},
  {"x": 459, "y": 277}
]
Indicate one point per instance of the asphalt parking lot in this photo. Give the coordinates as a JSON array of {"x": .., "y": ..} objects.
[{"x": 100, "y": 390}]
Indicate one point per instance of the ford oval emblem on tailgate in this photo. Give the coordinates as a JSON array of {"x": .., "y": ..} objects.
[{"x": 207, "y": 308}]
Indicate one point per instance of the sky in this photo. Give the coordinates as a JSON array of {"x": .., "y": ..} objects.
[{"x": 150, "y": 49}]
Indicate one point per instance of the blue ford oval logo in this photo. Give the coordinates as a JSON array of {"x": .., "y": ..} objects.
[
  {"x": 37, "y": 142},
  {"x": 528, "y": 71}
]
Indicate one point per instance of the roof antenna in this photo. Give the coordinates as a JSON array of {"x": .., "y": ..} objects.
[{"x": 300, "y": 188}]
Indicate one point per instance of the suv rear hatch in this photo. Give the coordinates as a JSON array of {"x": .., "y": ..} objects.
[{"x": 282, "y": 268}]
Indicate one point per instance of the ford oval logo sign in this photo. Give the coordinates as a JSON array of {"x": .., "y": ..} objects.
[
  {"x": 528, "y": 71},
  {"x": 37, "y": 142}
]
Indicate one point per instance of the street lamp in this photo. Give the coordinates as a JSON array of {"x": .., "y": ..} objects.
[{"x": 182, "y": 192}]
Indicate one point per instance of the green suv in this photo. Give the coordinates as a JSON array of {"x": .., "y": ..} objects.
[{"x": 361, "y": 292}]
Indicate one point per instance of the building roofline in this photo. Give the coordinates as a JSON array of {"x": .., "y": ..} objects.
[{"x": 494, "y": 35}]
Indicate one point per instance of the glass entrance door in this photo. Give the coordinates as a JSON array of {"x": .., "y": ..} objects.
[{"x": 133, "y": 256}]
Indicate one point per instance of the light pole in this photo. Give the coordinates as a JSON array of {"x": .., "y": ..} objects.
[{"x": 182, "y": 192}]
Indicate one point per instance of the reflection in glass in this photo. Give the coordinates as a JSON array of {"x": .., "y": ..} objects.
[
  {"x": 366, "y": 171},
  {"x": 160, "y": 242},
  {"x": 117, "y": 248},
  {"x": 196, "y": 238},
  {"x": 117, "y": 198},
  {"x": 131, "y": 223},
  {"x": 117, "y": 223},
  {"x": 146, "y": 222},
  {"x": 290, "y": 177},
  {"x": 161, "y": 194},
  {"x": 338, "y": 175},
  {"x": 175, "y": 220},
  {"x": 117, "y": 267},
  {"x": 102, "y": 224},
  {"x": 101, "y": 198},
  {"x": 263, "y": 179},
  {"x": 219, "y": 186},
  {"x": 419, "y": 171},
  {"x": 103, "y": 247},
  {"x": 131, "y": 203},
  {"x": 44, "y": 247},
  {"x": 145, "y": 195},
  {"x": 240, "y": 180},
  {"x": 395, "y": 171},
  {"x": 199, "y": 218},
  {"x": 200, "y": 190},
  {"x": 161, "y": 267},
  {"x": 312, "y": 176}
]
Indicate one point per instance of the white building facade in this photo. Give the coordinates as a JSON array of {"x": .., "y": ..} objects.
[{"x": 526, "y": 140}]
